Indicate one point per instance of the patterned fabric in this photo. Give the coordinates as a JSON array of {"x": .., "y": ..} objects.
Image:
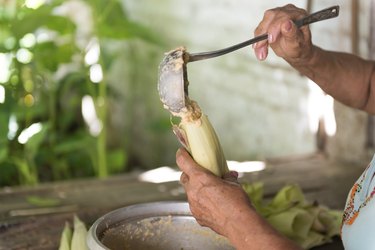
[{"x": 359, "y": 215}]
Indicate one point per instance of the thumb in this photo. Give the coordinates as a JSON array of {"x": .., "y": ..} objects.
[{"x": 185, "y": 162}]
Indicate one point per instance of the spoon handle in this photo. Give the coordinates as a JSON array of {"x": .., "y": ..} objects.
[{"x": 312, "y": 18}]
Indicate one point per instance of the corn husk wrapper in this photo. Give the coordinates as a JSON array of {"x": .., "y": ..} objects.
[
  {"x": 308, "y": 224},
  {"x": 66, "y": 237},
  {"x": 79, "y": 235},
  {"x": 74, "y": 239}
]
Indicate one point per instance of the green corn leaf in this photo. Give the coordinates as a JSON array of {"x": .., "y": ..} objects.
[
  {"x": 313, "y": 239},
  {"x": 288, "y": 196},
  {"x": 66, "y": 237},
  {"x": 294, "y": 223},
  {"x": 79, "y": 235},
  {"x": 255, "y": 192},
  {"x": 306, "y": 223}
]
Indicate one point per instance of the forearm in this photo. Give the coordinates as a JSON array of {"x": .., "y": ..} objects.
[
  {"x": 257, "y": 234},
  {"x": 348, "y": 78}
]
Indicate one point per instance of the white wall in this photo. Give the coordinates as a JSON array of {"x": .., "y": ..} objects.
[{"x": 259, "y": 109}]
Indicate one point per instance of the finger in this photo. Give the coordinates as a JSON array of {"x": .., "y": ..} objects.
[
  {"x": 264, "y": 24},
  {"x": 263, "y": 29},
  {"x": 185, "y": 162},
  {"x": 261, "y": 52},
  {"x": 260, "y": 44},
  {"x": 274, "y": 31}
]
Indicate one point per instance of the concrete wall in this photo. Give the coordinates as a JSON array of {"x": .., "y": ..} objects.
[{"x": 259, "y": 109}]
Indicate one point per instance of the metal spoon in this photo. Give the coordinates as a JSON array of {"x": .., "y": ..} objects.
[
  {"x": 173, "y": 82},
  {"x": 312, "y": 18}
]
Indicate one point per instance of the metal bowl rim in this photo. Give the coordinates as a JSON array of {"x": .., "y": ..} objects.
[{"x": 140, "y": 210}]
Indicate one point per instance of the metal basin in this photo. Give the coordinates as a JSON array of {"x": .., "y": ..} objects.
[{"x": 157, "y": 225}]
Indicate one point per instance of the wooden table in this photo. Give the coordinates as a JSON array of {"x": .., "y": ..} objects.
[{"x": 25, "y": 226}]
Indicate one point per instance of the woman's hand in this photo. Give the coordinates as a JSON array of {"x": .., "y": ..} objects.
[
  {"x": 214, "y": 201},
  {"x": 289, "y": 42},
  {"x": 222, "y": 205}
]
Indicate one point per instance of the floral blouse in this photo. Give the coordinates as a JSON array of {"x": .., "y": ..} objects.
[{"x": 358, "y": 226}]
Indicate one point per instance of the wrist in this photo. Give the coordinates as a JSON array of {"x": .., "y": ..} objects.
[
  {"x": 310, "y": 65},
  {"x": 243, "y": 225},
  {"x": 237, "y": 215},
  {"x": 247, "y": 230},
  {"x": 308, "y": 60}
]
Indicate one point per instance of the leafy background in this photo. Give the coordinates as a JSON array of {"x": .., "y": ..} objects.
[{"x": 46, "y": 76}]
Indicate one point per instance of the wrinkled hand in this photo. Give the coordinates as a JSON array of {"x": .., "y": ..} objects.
[
  {"x": 214, "y": 202},
  {"x": 287, "y": 41}
]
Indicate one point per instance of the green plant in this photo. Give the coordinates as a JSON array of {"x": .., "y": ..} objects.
[{"x": 44, "y": 134}]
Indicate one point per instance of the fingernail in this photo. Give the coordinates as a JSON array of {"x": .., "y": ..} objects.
[
  {"x": 234, "y": 174},
  {"x": 270, "y": 38},
  {"x": 262, "y": 55}
]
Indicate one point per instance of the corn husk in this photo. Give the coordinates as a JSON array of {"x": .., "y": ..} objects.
[
  {"x": 306, "y": 223},
  {"x": 79, "y": 235},
  {"x": 196, "y": 133},
  {"x": 203, "y": 144},
  {"x": 66, "y": 237}
]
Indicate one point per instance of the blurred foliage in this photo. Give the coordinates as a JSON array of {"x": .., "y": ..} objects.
[{"x": 47, "y": 79}]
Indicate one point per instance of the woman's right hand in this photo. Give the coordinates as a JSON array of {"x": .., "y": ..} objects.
[
  {"x": 287, "y": 41},
  {"x": 215, "y": 202}
]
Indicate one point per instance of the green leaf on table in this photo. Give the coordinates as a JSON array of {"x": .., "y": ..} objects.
[
  {"x": 255, "y": 192},
  {"x": 327, "y": 221},
  {"x": 333, "y": 220},
  {"x": 79, "y": 235},
  {"x": 66, "y": 237},
  {"x": 42, "y": 201},
  {"x": 290, "y": 195},
  {"x": 313, "y": 239},
  {"x": 306, "y": 223},
  {"x": 294, "y": 222},
  {"x": 74, "y": 239}
]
